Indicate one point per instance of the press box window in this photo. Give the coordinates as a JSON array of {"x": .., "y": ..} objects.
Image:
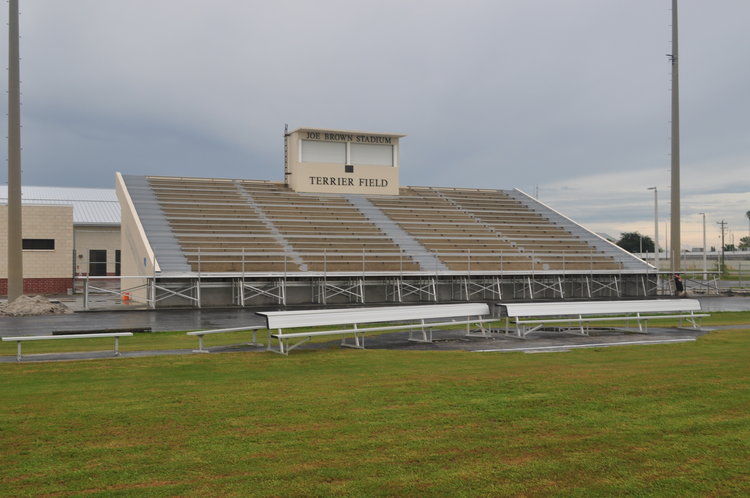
[
  {"x": 38, "y": 244},
  {"x": 323, "y": 152},
  {"x": 374, "y": 155}
]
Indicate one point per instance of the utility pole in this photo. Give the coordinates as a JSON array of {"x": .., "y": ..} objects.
[
  {"x": 723, "y": 225},
  {"x": 673, "y": 57},
  {"x": 15, "y": 235}
]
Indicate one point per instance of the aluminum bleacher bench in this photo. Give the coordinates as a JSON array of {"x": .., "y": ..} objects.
[
  {"x": 574, "y": 316},
  {"x": 19, "y": 340},
  {"x": 201, "y": 333},
  {"x": 418, "y": 320}
]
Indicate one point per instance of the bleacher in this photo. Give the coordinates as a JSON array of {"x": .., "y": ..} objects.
[
  {"x": 216, "y": 228},
  {"x": 244, "y": 226},
  {"x": 327, "y": 233}
]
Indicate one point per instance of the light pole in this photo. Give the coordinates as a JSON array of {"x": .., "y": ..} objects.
[
  {"x": 656, "y": 226},
  {"x": 674, "y": 59},
  {"x": 705, "y": 261},
  {"x": 15, "y": 235}
]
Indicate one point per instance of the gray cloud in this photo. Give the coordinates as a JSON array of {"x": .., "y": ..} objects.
[{"x": 491, "y": 94}]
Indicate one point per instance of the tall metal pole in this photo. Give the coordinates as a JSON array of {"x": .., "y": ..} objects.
[
  {"x": 723, "y": 225},
  {"x": 674, "y": 57},
  {"x": 656, "y": 227},
  {"x": 705, "y": 258},
  {"x": 15, "y": 240}
]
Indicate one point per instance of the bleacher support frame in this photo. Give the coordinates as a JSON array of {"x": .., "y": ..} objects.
[
  {"x": 240, "y": 290},
  {"x": 352, "y": 289},
  {"x": 274, "y": 289},
  {"x": 482, "y": 288},
  {"x": 400, "y": 289}
]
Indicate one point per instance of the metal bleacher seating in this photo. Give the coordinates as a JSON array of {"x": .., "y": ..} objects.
[{"x": 249, "y": 226}]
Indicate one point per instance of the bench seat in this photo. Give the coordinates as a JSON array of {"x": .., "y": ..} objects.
[
  {"x": 19, "y": 340},
  {"x": 526, "y": 318},
  {"x": 418, "y": 319}
]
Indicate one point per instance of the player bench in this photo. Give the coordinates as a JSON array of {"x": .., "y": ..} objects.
[
  {"x": 417, "y": 320},
  {"x": 20, "y": 340},
  {"x": 200, "y": 333},
  {"x": 574, "y": 316}
]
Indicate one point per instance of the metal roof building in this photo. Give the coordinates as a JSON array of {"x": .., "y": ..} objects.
[
  {"x": 91, "y": 206},
  {"x": 67, "y": 232}
]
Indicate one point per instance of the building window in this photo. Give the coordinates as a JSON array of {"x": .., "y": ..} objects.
[
  {"x": 98, "y": 262},
  {"x": 374, "y": 155},
  {"x": 117, "y": 262},
  {"x": 38, "y": 244},
  {"x": 323, "y": 152}
]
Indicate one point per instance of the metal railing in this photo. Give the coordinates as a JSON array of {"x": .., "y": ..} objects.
[{"x": 366, "y": 261}]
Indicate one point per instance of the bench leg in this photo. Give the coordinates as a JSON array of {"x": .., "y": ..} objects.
[
  {"x": 117, "y": 346},
  {"x": 281, "y": 344},
  {"x": 425, "y": 332},
  {"x": 255, "y": 339},
  {"x": 359, "y": 342},
  {"x": 200, "y": 346},
  {"x": 18, "y": 350},
  {"x": 284, "y": 346}
]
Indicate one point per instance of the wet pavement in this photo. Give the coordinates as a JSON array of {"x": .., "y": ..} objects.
[{"x": 156, "y": 320}]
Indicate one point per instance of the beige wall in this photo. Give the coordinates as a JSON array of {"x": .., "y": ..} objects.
[
  {"x": 41, "y": 222},
  {"x": 332, "y": 178},
  {"x": 137, "y": 256},
  {"x": 87, "y": 238}
]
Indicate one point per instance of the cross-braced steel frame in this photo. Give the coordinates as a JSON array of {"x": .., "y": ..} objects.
[{"x": 202, "y": 290}]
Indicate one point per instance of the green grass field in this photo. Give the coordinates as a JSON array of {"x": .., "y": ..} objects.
[{"x": 664, "y": 420}]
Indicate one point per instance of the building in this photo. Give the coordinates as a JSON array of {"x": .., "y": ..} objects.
[{"x": 66, "y": 232}]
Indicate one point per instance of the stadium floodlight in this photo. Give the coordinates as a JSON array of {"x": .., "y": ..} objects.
[{"x": 656, "y": 226}]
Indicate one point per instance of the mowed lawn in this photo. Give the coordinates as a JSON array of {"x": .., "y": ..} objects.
[{"x": 671, "y": 420}]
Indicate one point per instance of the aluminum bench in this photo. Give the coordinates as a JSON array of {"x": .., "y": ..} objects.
[
  {"x": 526, "y": 318},
  {"x": 200, "y": 333},
  {"x": 418, "y": 320},
  {"x": 19, "y": 340}
]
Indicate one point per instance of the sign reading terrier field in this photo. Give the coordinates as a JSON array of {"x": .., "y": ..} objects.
[{"x": 348, "y": 182}]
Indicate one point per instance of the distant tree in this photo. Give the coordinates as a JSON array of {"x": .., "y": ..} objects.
[
  {"x": 729, "y": 248},
  {"x": 745, "y": 242},
  {"x": 635, "y": 242}
]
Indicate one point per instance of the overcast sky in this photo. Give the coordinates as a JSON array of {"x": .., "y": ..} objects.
[{"x": 570, "y": 97}]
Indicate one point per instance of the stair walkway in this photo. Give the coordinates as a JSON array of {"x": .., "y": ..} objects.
[
  {"x": 426, "y": 260},
  {"x": 166, "y": 248}
]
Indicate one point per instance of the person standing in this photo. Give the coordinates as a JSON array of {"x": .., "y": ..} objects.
[{"x": 679, "y": 287}]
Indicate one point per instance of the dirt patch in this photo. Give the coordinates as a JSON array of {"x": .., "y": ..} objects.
[{"x": 32, "y": 305}]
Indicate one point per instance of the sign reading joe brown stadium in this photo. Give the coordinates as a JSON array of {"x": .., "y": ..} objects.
[{"x": 340, "y": 161}]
